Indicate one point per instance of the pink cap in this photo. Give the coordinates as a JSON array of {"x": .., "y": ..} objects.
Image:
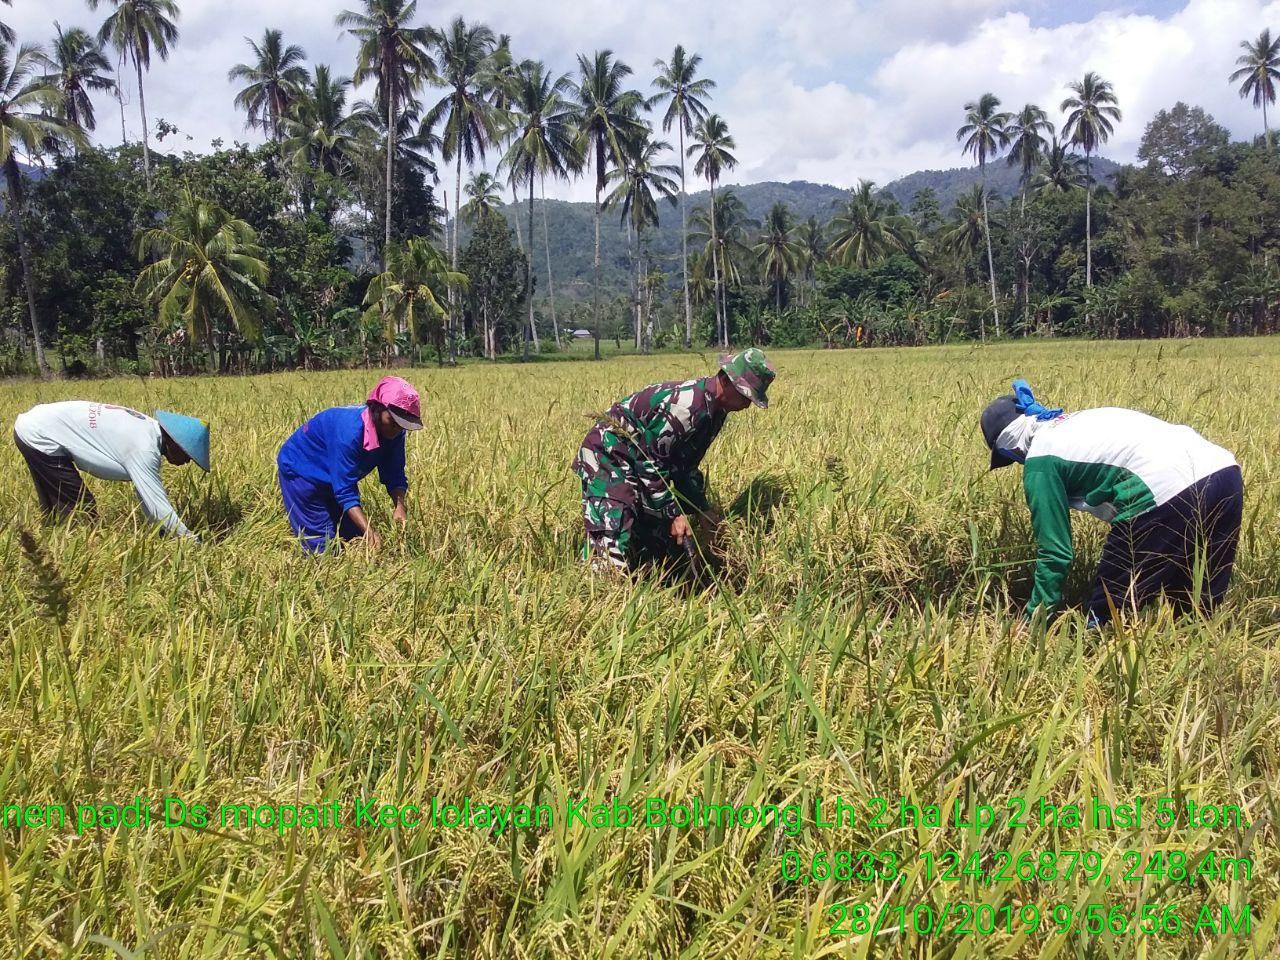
[{"x": 401, "y": 400}]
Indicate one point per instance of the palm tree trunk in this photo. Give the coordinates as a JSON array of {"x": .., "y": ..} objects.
[
  {"x": 457, "y": 222},
  {"x": 146, "y": 137},
  {"x": 15, "y": 209},
  {"x": 515, "y": 204},
  {"x": 391, "y": 149},
  {"x": 595, "y": 284},
  {"x": 1088, "y": 221},
  {"x": 684, "y": 247},
  {"x": 722, "y": 326},
  {"x": 635, "y": 289},
  {"x": 991, "y": 267},
  {"x": 546, "y": 247},
  {"x": 1266, "y": 130},
  {"x": 124, "y": 136},
  {"x": 528, "y": 268}
]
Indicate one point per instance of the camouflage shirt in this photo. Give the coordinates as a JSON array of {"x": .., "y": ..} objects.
[{"x": 658, "y": 436}]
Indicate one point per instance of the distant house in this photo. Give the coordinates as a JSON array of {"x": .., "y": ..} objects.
[{"x": 580, "y": 334}]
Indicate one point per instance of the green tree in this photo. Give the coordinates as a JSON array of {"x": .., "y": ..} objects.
[
  {"x": 542, "y": 143},
  {"x": 1259, "y": 69},
  {"x": 393, "y": 54},
  {"x": 136, "y": 28},
  {"x": 685, "y": 95},
  {"x": 925, "y": 210},
  {"x": 779, "y": 251},
  {"x": 77, "y": 67},
  {"x": 970, "y": 226},
  {"x": 1027, "y": 131},
  {"x": 812, "y": 237},
  {"x": 640, "y": 181},
  {"x": 407, "y": 294},
  {"x": 722, "y": 229},
  {"x": 1182, "y": 141},
  {"x": 206, "y": 267},
  {"x": 483, "y": 198},
  {"x": 29, "y": 108},
  {"x": 711, "y": 146},
  {"x": 498, "y": 283},
  {"x": 1061, "y": 171},
  {"x": 605, "y": 116},
  {"x": 468, "y": 122},
  {"x": 984, "y": 134},
  {"x": 323, "y": 141},
  {"x": 274, "y": 82},
  {"x": 1090, "y": 111},
  {"x": 864, "y": 231}
]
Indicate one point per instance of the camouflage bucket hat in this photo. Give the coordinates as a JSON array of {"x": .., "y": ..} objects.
[{"x": 751, "y": 372}]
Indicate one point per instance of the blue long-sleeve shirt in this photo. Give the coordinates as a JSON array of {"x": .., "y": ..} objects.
[{"x": 330, "y": 449}]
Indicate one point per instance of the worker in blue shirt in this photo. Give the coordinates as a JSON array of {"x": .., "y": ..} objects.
[{"x": 324, "y": 460}]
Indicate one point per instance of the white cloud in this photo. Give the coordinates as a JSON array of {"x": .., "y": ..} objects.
[{"x": 832, "y": 91}]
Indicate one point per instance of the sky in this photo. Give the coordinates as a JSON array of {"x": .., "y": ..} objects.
[{"x": 832, "y": 91}]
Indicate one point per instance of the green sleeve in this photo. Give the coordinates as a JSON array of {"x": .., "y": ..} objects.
[{"x": 1051, "y": 523}]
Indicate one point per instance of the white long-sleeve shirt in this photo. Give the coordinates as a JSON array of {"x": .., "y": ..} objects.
[{"x": 107, "y": 441}]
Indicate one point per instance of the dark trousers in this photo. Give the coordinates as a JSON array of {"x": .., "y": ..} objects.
[
  {"x": 58, "y": 482},
  {"x": 1185, "y": 549}
]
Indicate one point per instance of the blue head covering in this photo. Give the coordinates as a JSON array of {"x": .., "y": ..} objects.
[
  {"x": 190, "y": 434},
  {"x": 1028, "y": 405}
]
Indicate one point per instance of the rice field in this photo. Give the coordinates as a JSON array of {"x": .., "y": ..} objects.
[{"x": 862, "y": 644}]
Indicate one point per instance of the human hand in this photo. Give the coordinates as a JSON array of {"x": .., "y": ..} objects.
[
  {"x": 680, "y": 529},
  {"x": 372, "y": 539},
  {"x": 401, "y": 514}
]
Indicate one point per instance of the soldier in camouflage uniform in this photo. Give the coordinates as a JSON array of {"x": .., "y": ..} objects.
[{"x": 639, "y": 464}]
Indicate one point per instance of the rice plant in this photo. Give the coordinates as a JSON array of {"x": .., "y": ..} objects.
[{"x": 860, "y": 640}]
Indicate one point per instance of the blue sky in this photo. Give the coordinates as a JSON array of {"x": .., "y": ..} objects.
[{"x": 826, "y": 90}]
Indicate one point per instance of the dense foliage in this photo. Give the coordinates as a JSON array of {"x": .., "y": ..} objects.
[{"x": 340, "y": 242}]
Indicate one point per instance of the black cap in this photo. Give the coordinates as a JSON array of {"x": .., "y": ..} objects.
[{"x": 1000, "y": 412}]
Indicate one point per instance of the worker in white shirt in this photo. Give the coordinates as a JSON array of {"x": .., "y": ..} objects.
[{"x": 112, "y": 443}]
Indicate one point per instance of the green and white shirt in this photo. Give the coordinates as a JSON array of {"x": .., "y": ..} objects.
[{"x": 1115, "y": 464}]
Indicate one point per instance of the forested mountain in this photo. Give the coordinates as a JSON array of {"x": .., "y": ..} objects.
[
  {"x": 1002, "y": 180},
  {"x": 572, "y": 238}
]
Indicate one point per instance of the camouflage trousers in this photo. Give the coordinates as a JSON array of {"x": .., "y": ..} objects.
[{"x": 620, "y": 532}]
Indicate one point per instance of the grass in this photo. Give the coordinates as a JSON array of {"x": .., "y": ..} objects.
[{"x": 865, "y": 645}]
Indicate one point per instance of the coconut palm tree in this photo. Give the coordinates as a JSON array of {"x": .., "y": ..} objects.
[
  {"x": 605, "y": 115},
  {"x": 1093, "y": 107},
  {"x": 965, "y": 235},
  {"x": 685, "y": 97},
  {"x": 206, "y": 268},
  {"x": 136, "y": 28},
  {"x": 542, "y": 142},
  {"x": 1060, "y": 172},
  {"x": 483, "y": 197},
  {"x": 639, "y": 182},
  {"x": 406, "y": 296},
  {"x": 1027, "y": 142},
  {"x": 499, "y": 82},
  {"x": 779, "y": 251},
  {"x": 864, "y": 230},
  {"x": 467, "y": 120},
  {"x": 274, "y": 82},
  {"x": 6, "y": 32},
  {"x": 320, "y": 134},
  {"x": 722, "y": 230},
  {"x": 813, "y": 244},
  {"x": 1259, "y": 69},
  {"x": 30, "y": 116},
  {"x": 76, "y": 66},
  {"x": 984, "y": 135},
  {"x": 711, "y": 146},
  {"x": 394, "y": 54}
]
